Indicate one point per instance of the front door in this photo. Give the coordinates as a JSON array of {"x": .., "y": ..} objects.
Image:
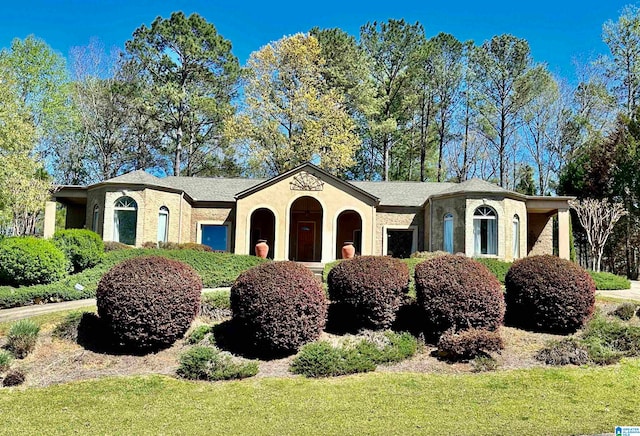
[{"x": 306, "y": 241}]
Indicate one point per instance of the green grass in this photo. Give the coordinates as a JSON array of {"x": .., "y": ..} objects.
[
  {"x": 523, "y": 402},
  {"x": 216, "y": 270},
  {"x": 608, "y": 282}
]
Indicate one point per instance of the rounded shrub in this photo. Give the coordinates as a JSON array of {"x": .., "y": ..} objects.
[
  {"x": 279, "y": 306},
  {"x": 29, "y": 261},
  {"x": 372, "y": 288},
  {"x": 546, "y": 293},
  {"x": 455, "y": 292},
  {"x": 149, "y": 302},
  {"x": 83, "y": 248},
  {"x": 467, "y": 344}
]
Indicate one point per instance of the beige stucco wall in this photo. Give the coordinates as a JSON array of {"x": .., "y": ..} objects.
[
  {"x": 388, "y": 217},
  {"x": 439, "y": 208},
  {"x": 279, "y": 197},
  {"x": 149, "y": 202},
  {"x": 505, "y": 208}
]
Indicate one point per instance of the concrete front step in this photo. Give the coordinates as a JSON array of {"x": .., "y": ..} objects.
[{"x": 316, "y": 267}]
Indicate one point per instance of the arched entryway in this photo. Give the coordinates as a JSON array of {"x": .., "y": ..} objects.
[
  {"x": 263, "y": 226},
  {"x": 349, "y": 228},
  {"x": 305, "y": 232}
]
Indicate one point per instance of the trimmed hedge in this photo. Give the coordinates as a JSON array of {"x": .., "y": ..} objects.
[
  {"x": 372, "y": 288},
  {"x": 216, "y": 270},
  {"x": 546, "y": 293},
  {"x": 83, "y": 248},
  {"x": 609, "y": 282},
  {"x": 149, "y": 302},
  {"x": 458, "y": 293},
  {"x": 29, "y": 261},
  {"x": 498, "y": 268},
  {"x": 279, "y": 306}
]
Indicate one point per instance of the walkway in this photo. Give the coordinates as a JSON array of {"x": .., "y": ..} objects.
[
  {"x": 626, "y": 294},
  {"x": 17, "y": 313}
]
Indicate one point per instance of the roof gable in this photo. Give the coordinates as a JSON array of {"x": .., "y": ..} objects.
[{"x": 308, "y": 184}]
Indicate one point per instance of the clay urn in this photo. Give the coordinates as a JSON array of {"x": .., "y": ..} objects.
[
  {"x": 348, "y": 250},
  {"x": 262, "y": 249}
]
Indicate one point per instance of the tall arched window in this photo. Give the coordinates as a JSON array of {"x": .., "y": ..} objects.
[
  {"x": 448, "y": 233},
  {"x": 516, "y": 236},
  {"x": 125, "y": 220},
  {"x": 95, "y": 218},
  {"x": 163, "y": 224},
  {"x": 485, "y": 231}
]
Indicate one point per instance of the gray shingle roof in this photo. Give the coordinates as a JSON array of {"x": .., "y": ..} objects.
[
  {"x": 407, "y": 194},
  {"x": 403, "y": 193}
]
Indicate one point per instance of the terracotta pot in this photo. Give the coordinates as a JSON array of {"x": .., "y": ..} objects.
[
  {"x": 348, "y": 250},
  {"x": 262, "y": 249}
]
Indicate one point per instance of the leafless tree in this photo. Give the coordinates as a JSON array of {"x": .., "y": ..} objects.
[{"x": 598, "y": 217}]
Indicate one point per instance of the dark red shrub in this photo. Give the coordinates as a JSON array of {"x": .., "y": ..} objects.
[
  {"x": 372, "y": 288},
  {"x": 467, "y": 344},
  {"x": 149, "y": 302},
  {"x": 280, "y": 306},
  {"x": 546, "y": 293},
  {"x": 460, "y": 293},
  {"x": 14, "y": 377}
]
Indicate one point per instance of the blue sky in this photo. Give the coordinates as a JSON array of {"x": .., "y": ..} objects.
[{"x": 558, "y": 31}]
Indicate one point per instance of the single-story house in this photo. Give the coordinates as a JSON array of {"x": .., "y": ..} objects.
[{"x": 306, "y": 214}]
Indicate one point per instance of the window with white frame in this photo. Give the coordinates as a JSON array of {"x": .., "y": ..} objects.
[
  {"x": 448, "y": 233},
  {"x": 163, "y": 224},
  {"x": 516, "y": 236},
  {"x": 485, "y": 231},
  {"x": 125, "y": 220},
  {"x": 215, "y": 236}
]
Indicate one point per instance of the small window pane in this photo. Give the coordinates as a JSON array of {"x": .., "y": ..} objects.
[
  {"x": 448, "y": 233},
  {"x": 163, "y": 224}
]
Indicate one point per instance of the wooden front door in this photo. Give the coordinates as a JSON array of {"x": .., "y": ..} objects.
[{"x": 306, "y": 241}]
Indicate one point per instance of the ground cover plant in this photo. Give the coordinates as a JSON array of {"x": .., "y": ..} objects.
[
  {"x": 215, "y": 269},
  {"x": 498, "y": 268},
  {"x": 609, "y": 282},
  {"x": 546, "y": 293},
  {"x": 467, "y": 344},
  {"x": 209, "y": 363},
  {"x": 625, "y": 311},
  {"x": 370, "y": 288},
  {"x": 149, "y": 302}
]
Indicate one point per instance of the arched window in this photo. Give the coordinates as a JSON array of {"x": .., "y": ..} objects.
[
  {"x": 485, "y": 231},
  {"x": 125, "y": 220},
  {"x": 163, "y": 224},
  {"x": 448, "y": 233},
  {"x": 516, "y": 236},
  {"x": 95, "y": 218}
]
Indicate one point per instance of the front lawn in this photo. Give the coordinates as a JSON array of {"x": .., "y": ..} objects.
[{"x": 524, "y": 402}]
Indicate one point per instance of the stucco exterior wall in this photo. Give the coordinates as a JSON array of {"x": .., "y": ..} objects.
[
  {"x": 278, "y": 197},
  {"x": 441, "y": 207},
  {"x": 398, "y": 218},
  {"x": 540, "y": 234},
  {"x": 505, "y": 209}
]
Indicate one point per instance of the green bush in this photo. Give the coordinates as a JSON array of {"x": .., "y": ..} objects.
[
  {"x": 483, "y": 364},
  {"x": 354, "y": 355},
  {"x": 609, "y": 282},
  {"x": 149, "y": 302},
  {"x": 29, "y": 261},
  {"x": 607, "y": 341},
  {"x": 22, "y": 337},
  {"x": 498, "y": 268},
  {"x": 5, "y": 360},
  {"x": 625, "y": 311},
  {"x": 569, "y": 351},
  {"x": 83, "y": 248},
  {"x": 208, "y": 363},
  {"x": 216, "y": 270},
  {"x": 198, "y": 334}
]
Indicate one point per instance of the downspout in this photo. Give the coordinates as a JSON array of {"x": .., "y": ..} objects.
[
  {"x": 180, "y": 219},
  {"x": 430, "y": 222}
]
